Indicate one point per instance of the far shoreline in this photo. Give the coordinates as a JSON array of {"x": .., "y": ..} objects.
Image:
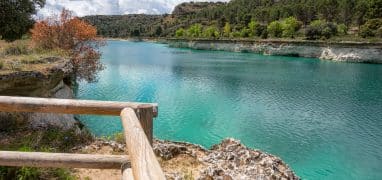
[{"x": 340, "y": 51}]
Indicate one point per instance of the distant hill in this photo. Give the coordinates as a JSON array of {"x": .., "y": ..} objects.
[
  {"x": 350, "y": 14},
  {"x": 188, "y": 8}
]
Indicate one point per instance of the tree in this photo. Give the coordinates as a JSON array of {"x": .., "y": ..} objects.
[
  {"x": 253, "y": 26},
  {"x": 74, "y": 36},
  {"x": 227, "y": 29},
  {"x": 180, "y": 32},
  {"x": 275, "y": 29},
  {"x": 342, "y": 29},
  {"x": 371, "y": 28},
  {"x": 16, "y": 17},
  {"x": 320, "y": 29},
  {"x": 158, "y": 31},
  {"x": 211, "y": 32},
  {"x": 195, "y": 31},
  {"x": 375, "y": 9},
  {"x": 290, "y": 26}
]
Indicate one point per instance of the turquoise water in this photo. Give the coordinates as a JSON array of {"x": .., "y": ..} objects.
[{"x": 323, "y": 118}]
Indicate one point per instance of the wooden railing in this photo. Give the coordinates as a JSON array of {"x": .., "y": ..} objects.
[{"x": 137, "y": 121}]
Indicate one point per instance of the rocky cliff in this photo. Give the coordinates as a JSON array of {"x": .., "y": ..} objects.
[
  {"x": 347, "y": 52},
  {"x": 50, "y": 81},
  {"x": 228, "y": 160}
]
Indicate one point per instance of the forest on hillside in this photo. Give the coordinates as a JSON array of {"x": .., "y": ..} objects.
[{"x": 308, "y": 19}]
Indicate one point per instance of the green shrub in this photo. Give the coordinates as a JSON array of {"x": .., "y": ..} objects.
[
  {"x": 235, "y": 34},
  {"x": 320, "y": 29},
  {"x": 1, "y": 64},
  {"x": 28, "y": 173},
  {"x": 195, "y": 31},
  {"x": 275, "y": 29},
  {"x": 290, "y": 26},
  {"x": 252, "y": 27},
  {"x": 180, "y": 32},
  {"x": 370, "y": 28},
  {"x": 211, "y": 32},
  {"x": 227, "y": 30},
  {"x": 244, "y": 33},
  {"x": 342, "y": 29},
  {"x": 264, "y": 34},
  {"x": 119, "y": 137}
]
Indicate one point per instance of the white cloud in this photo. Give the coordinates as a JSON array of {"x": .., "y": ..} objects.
[{"x": 111, "y": 7}]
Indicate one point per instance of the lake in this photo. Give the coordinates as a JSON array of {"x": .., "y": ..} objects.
[{"x": 323, "y": 118}]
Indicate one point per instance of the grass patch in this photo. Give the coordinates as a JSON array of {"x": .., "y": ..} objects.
[
  {"x": 117, "y": 137},
  {"x": 21, "y": 56},
  {"x": 46, "y": 140}
]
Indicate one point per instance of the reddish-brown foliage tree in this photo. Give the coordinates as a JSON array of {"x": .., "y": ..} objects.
[{"x": 73, "y": 35}]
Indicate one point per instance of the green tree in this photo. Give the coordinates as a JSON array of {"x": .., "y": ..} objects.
[
  {"x": 320, "y": 29},
  {"x": 290, "y": 26},
  {"x": 375, "y": 9},
  {"x": 371, "y": 28},
  {"x": 195, "y": 31},
  {"x": 180, "y": 32},
  {"x": 158, "y": 31},
  {"x": 244, "y": 33},
  {"x": 253, "y": 27},
  {"x": 16, "y": 17},
  {"x": 275, "y": 29},
  {"x": 227, "y": 29},
  {"x": 211, "y": 32},
  {"x": 342, "y": 29}
]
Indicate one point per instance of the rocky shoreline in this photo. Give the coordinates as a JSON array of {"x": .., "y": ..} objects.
[
  {"x": 341, "y": 51},
  {"x": 228, "y": 160},
  {"x": 53, "y": 81}
]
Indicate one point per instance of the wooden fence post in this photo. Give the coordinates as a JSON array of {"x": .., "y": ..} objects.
[{"x": 145, "y": 115}]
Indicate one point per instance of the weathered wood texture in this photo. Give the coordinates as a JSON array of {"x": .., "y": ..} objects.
[
  {"x": 145, "y": 166},
  {"x": 62, "y": 160},
  {"x": 69, "y": 106},
  {"x": 145, "y": 116},
  {"x": 127, "y": 173}
]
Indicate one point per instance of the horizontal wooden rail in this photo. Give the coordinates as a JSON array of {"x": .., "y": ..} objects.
[
  {"x": 69, "y": 106},
  {"x": 145, "y": 166},
  {"x": 62, "y": 160}
]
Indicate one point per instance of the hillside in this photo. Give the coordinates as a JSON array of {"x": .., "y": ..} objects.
[{"x": 311, "y": 19}]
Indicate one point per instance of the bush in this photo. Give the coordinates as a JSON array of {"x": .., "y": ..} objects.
[
  {"x": 342, "y": 29},
  {"x": 180, "y": 32},
  {"x": 275, "y": 29},
  {"x": 1, "y": 64},
  {"x": 319, "y": 29},
  {"x": 211, "y": 32},
  {"x": 244, "y": 33},
  {"x": 252, "y": 27},
  {"x": 330, "y": 29},
  {"x": 227, "y": 30},
  {"x": 235, "y": 34},
  {"x": 290, "y": 26},
  {"x": 195, "y": 31},
  {"x": 75, "y": 36},
  {"x": 370, "y": 28},
  {"x": 264, "y": 34}
]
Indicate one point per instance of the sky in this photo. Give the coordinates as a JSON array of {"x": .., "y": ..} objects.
[{"x": 111, "y": 7}]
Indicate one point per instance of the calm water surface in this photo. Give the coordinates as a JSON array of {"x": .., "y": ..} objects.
[{"x": 323, "y": 118}]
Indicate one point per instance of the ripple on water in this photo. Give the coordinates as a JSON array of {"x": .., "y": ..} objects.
[{"x": 322, "y": 118}]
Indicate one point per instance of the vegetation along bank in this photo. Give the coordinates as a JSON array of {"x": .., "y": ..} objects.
[
  {"x": 347, "y": 52},
  {"x": 328, "y": 29}
]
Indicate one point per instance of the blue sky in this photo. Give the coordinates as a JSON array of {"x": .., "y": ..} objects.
[{"x": 112, "y": 7}]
